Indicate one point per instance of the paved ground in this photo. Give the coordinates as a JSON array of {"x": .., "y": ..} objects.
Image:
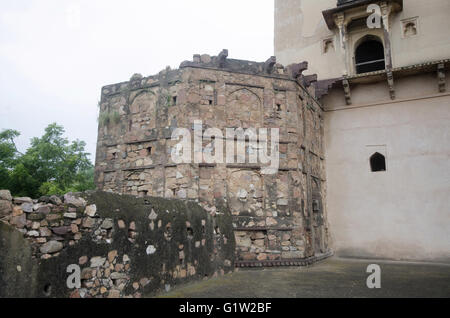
[{"x": 331, "y": 278}]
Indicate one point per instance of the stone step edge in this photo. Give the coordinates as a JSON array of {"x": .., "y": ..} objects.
[{"x": 280, "y": 263}]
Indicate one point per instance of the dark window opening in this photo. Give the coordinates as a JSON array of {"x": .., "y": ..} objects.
[
  {"x": 168, "y": 232},
  {"x": 278, "y": 107},
  {"x": 48, "y": 290},
  {"x": 210, "y": 102},
  {"x": 377, "y": 162},
  {"x": 143, "y": 193},
  {"x": 174, "y": 100},
  {"x": 369, "y": 56},
  {"x": 190, "y": 233},
  {"x": 149, "y": 151}
]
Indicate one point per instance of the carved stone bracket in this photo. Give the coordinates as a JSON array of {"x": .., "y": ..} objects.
[
  {"x": 269, "y": 64},
  {"x": 348, "y": 98},
  {"x": 222, "y": 57},
  {"x": 296, "y": 70},
  {"x": 441, "y": 78},
  {"x": 309, "y": 79}
]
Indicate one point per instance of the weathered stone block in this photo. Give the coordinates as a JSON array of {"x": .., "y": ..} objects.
[
  {"x": 51, "y": 247},
  {"x": 5, "y": 208},
  {"x": 5, "y": 195}
]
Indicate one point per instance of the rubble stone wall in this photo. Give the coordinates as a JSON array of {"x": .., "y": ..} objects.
[
  {"x": 276, "y": 218},
  {"x": 124, "y": 246}
]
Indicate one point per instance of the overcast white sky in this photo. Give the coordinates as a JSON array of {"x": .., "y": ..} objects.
[{"x": 55, "y": 55}]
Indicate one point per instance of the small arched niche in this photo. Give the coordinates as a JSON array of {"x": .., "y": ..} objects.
[
  {"x": 369, "y": 55},
  {"x": 377, "y": 162},
  {"x": 410, "y": 29}
]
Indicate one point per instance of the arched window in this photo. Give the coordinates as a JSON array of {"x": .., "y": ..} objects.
[
  {"x": 377, "y": 162},
  {"x": 369, "y": 55}
]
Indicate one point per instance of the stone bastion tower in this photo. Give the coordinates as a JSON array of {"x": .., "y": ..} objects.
[
  {"x": 383, "y": 87},
  {"x": 279, "y": 219}
]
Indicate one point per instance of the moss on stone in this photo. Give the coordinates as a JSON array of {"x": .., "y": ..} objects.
[{"x": 179, "y": 227}]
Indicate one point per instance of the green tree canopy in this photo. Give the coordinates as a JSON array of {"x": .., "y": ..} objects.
[
  {"x": 8, "y": 155},
  {"x": 52, "y": 165}
]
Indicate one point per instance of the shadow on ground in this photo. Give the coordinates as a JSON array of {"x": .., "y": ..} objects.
[{"x": 332, "y": 278}]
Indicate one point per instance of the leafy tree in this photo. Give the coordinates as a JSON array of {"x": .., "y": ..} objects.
[
  {"x": 8, "y": 155},
  {"x": 52, "y": 165}
]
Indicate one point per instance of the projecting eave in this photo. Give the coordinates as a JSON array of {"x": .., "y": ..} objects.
[
  {"x": 330, "y": 13},
  {"x": 398, "y": 72},
  {"x": 440, "y": 68}
]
